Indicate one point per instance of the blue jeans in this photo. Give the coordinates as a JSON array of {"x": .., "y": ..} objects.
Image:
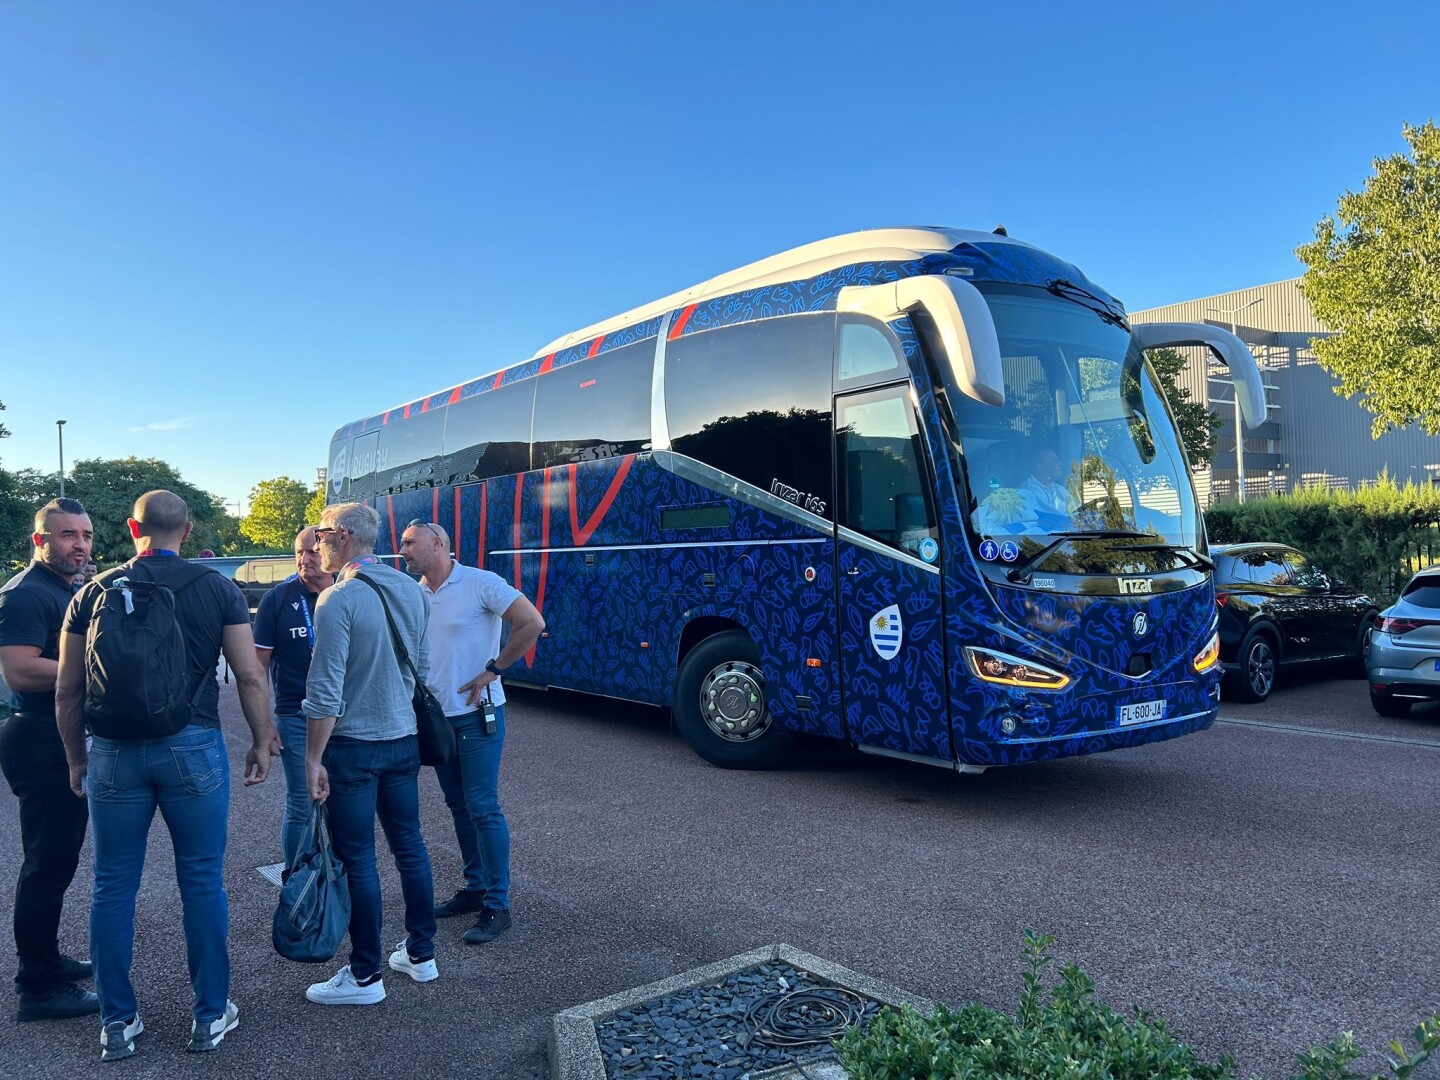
[
  {"x": 370, "y": 780},
  {"x": 296, "y": 824},
  {"x": 188, "y": 777},
  {"x": 471, "y": 784}
]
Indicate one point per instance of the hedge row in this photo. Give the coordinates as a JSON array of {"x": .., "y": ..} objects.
[{"x": 1372, "y": 538}]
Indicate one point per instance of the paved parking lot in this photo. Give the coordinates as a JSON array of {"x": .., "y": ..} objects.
[{"x": 1264, "y": 885}]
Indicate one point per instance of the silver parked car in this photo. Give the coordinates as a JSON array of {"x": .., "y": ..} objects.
[{"x": 1404, "y": 662}]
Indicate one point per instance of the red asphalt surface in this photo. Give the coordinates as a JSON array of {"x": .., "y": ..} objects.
[{"x": 1263, "y": 885}]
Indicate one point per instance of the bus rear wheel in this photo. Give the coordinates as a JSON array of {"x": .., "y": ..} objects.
[{"x": 721, "y": 706}]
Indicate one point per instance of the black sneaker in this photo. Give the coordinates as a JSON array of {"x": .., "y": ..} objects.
[
  {"x": 60, "y": 1003},
  {"x": 72, "y": 970},
  {"x": 462, "y": 903},
  {"x": 489, "y": 925}
]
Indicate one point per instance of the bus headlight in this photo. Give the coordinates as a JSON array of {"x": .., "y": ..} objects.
[
  {"x": 1007, "y": 670},
  {"x": 1209, "y": 656}
]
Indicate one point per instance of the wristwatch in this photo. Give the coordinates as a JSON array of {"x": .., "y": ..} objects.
[{"x": 490, "y": 667}]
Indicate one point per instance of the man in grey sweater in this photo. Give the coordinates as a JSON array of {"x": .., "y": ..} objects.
[{"x": 361, "y": 755}]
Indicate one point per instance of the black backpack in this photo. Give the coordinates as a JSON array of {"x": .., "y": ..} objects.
[{"x": 138, "y": 683}]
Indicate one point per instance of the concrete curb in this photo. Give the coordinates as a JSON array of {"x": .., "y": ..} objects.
[{"x": 574, "y": 1049}]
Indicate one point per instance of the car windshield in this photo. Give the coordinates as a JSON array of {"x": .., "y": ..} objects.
[{"x": 1084, "y": 443}]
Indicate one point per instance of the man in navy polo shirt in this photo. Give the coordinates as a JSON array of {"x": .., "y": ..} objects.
[
  {"x": 52, "y": 820},
  {"x": 284, "y": 640}
]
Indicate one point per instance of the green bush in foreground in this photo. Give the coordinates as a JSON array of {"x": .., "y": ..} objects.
[{"x": 1066, "y": 1035}]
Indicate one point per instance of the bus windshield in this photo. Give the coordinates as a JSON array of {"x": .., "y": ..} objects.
[{"x": 1084, "y": 443}]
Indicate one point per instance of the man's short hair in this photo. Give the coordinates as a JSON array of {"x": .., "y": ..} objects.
[
  {"x": 359, "y": 520},
  {"x": 56, "y": 506},
  {"x": 161, "y": 512}
]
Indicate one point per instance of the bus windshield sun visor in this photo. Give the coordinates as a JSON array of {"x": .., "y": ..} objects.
[
  {"x": 956, "y": 318},
  {"x": 1233, "y": 353}
]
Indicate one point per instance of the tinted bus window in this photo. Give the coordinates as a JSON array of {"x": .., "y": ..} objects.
[
  {"x": 409, "y": 447},
  {"x": 361, "y": 466},
  {"x": 883, "y": 492},
  {"x": 489, "y": 434},
  {"x": 754, "y": 401},
  {"x": 597, "y": 408},
  {"x": 865, "y": 350}
]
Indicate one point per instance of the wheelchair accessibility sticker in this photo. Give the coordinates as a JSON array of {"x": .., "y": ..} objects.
[{"x": 886, "y": 633}]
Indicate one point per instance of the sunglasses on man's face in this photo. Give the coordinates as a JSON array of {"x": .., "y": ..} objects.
[
  {"x": 416, "y": 522},
  {"x": 323, "y": 534}
]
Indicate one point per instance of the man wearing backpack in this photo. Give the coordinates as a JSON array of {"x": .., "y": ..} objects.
[
  {"x": 137, "y": 667},
  {"x": 52, "y": 821}
]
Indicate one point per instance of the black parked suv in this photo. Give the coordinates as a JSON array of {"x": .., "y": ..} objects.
[
  {"x": 257, "y": 575},
  {"x": 1277, "y": 607}
]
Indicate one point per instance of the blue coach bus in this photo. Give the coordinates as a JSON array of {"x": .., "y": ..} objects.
[{"x": 916, "y": 489}]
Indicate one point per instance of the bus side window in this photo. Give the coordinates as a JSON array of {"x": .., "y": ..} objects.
[
  {"x": 488, "y": 434},
  {"x": 408, "y": 448},
  {"x": 753, "y": 401},
  {"x": 882, "y": 491},
  {"x": 594, "y": 409},
  {"x": 865, "y": 350}
]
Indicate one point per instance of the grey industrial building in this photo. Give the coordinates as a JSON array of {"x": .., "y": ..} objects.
[{"x": 1312, "y": 436}]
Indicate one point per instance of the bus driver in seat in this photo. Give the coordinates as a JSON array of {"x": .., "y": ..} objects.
[{"x": 1051, "y": 503}]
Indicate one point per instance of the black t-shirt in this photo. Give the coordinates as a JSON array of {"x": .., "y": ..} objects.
[
  {"x": 284, "y": 624},
  {"x": 32, "y": 607},
  {"x": 204, "y": 608}
]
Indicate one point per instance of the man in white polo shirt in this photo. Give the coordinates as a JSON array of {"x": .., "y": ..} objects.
[{"x": 467, "y": 607}]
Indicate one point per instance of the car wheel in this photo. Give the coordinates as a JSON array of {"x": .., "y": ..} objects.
[
  {"x": 1362, "y": 645},
  {"x": 1256, "y": 677},
  {"x": 1386, "y": 705},
  {"x": 721, "y": 705}
]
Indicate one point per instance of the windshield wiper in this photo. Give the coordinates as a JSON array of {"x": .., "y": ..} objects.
[
  {"x": 1196, "y": 558},
  {"x": 1020, "y": 574},
  {"x": 1068, "y": 290}
]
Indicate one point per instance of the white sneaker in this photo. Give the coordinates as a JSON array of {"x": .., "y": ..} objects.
[
  {"x": 117, "y": 1039},
  {"x": 419, "y": 970},
  {"x": 210, "y": 1036},
  {"x": 344, "y": 990}
]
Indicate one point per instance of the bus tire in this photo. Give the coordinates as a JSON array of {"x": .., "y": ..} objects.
[
  {"x": 1259, "y": 665},
  {"x": 721, "y": 706}
]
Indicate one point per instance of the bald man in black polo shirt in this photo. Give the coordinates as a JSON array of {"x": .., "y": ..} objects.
[{"x": 52, "y": 820}]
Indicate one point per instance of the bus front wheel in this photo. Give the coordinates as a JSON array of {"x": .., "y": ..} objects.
[{"x": 721, "y": 706}]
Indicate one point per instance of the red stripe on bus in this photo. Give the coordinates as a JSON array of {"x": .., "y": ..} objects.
[
  {"x": 544, "y": 558},
  {"x": 387, "y": 418},
  {"x": 454, "y": 396},
  {"x": 547, "y": 364},
  {"x": 455, "y": 532},
  {"x": 435, "y": 505},
  {"x": 595, "y": 346},
  {"x": 678, "y": 327},
  {"x": 582, "y": 534},
  {"x": 499, "y": 378},
  {"x": 390, "y": 510}
]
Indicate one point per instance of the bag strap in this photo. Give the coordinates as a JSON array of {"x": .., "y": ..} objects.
[{"x": 400, "y": 651}]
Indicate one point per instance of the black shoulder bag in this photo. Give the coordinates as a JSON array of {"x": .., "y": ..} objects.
[{"x": 436, "y": 734}]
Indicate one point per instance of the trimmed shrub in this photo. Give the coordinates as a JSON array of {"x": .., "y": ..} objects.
[{"x": 1372, "y": 538}]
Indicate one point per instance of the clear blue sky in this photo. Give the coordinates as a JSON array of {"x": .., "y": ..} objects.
[{"x": 228, "y": 228}]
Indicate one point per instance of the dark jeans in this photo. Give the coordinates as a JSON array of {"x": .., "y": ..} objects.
[
  {"x": 370, "y": 780},
  {"x": 52, "y": 828},
  {"x": 471, "y": 784}
]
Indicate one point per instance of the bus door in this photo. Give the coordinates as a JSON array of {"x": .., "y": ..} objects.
[{"x": 892, "y": 624}]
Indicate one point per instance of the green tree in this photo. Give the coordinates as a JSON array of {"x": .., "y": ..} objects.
[
  {"x": 109, "y": 488},
  {"x": 1373, "y": 276},
  {"x": 14, "y": 517},
  {"x": 1198, "y": 425},
  {"x": 317, "y": 504},
  {"x": 277, "y": 511}
]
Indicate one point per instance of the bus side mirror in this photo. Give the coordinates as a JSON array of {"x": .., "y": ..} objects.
[
  {"x": 953, "y": 315},
  {"x": 1233, "y": 353}
]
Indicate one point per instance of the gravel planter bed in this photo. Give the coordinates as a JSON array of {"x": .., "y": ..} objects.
[{"x": 756, "y": 1019}]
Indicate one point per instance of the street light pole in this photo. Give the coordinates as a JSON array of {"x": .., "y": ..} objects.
[
  {"x": 60, "y": 434},
  {"x": 1234, "y": 393}
]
